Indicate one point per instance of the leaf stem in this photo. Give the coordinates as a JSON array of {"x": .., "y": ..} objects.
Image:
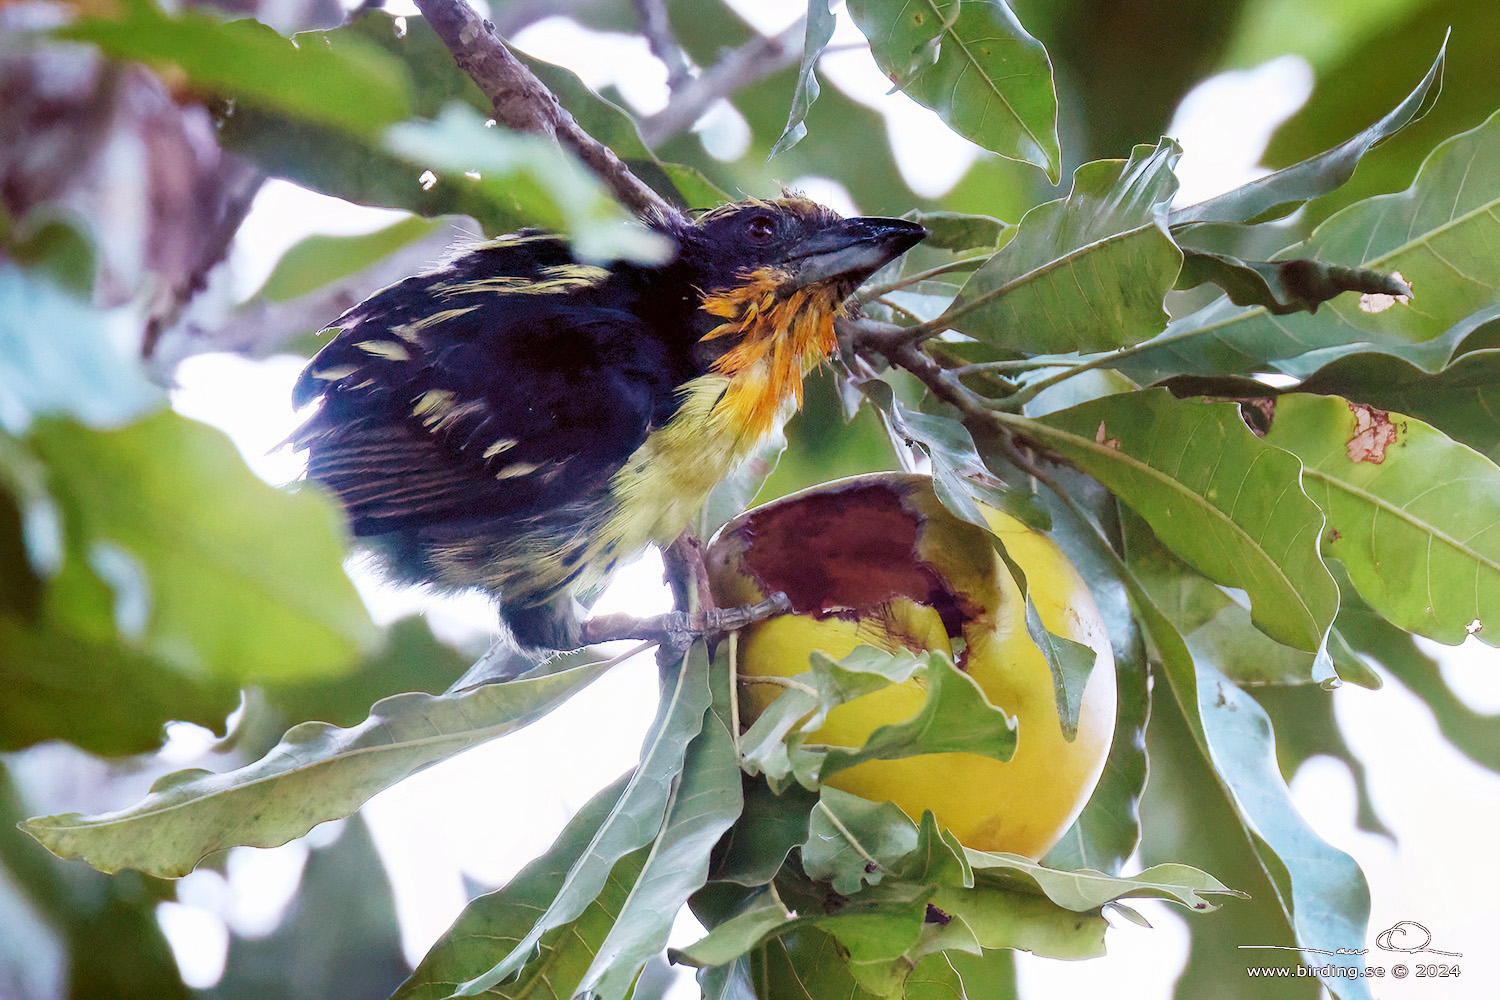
[
  {"x": 781, "y": 682},
  {"x": 876, "y": 291},
  {"x": 844, "y": 832}
]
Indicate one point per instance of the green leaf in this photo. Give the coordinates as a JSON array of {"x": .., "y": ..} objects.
[
  {"x": 975, "y": 66},
  {"x": 956, "y": 717},
  {"x": 761, "y": 917},
  {"x": 1437, "y": 235},
  {"x": 767, "y": 830},
  {"x": 321, "y": 77},
  {"x": 957, "y": 976},
  {"x": 636, "y": 819},
  {"x": 1219, "y": 497},
  {"x": 1329, "y": 899},
  {"x": 705, "y": 802},
  {"x": 1282, "y": 286},
  {"x": 320, "y": 259},
  {"x": 959, "y": 231},
  {"x": 996, "y": 918},
  {"x": 820, "y": 24},
  {"x": 1462, "y": 400},
  {"x": 805, "y": 964},
  {"x": 1108, "y": 830},
  {"x": 532, "y": 174},
  {"x": 1085, "y": 272},
  {"x": 1081, "y": 891},
  {"x": 1399, "y": 493},
  {"x": 494, "y": 923},
  {"x": 82, "y": 375},
  {"x": 1321, "y": 890},
  {"x": 883, "y": 832},
  {"x": 1280, "y": 192},
  {"x": 1212, "y": 623},
  {"x": 220, "y": 574},
  {"x": 316, "y": 773}
]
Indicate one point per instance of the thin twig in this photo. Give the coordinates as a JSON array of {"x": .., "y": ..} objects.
[
  {"x": 658, "y": 31},
  {"x": 755, "y": 60},
  {"x": 522, "y": 102},
  {"x": 870, "y": 292}
]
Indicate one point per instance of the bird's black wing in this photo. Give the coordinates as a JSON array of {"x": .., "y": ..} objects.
[{"x": 509, "y": 384}]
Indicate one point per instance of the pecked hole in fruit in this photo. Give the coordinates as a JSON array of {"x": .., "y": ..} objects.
[{"x": 847, "y": 553}]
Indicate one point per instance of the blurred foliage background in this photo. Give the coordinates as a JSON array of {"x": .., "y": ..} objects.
[{"x": 147, "y": 576}]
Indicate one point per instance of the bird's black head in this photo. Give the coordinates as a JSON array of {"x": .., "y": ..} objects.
[{"x": 798, "y": 241}]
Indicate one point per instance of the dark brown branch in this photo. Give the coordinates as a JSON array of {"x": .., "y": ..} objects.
[{"x": 522, "y": 102}]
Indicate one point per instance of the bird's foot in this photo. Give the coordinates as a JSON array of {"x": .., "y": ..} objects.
[{"x": 679, "y": 629}]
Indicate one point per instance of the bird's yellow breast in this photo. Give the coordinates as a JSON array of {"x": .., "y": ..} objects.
[{"x": 724, "y": 415}]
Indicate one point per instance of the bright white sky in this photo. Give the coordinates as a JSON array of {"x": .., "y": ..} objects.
[{"x": 511, "y": 797}]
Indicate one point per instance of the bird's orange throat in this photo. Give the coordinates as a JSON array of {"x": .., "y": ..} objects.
[{"x": 781, "y": 335}]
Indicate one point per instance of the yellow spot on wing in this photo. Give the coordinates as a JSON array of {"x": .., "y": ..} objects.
[
  {"x": 516, "y": 470},
  {"x": 388, "y": 349},
  {"x": 334, "y": 372},
  {"x": 500, "y": 447}
]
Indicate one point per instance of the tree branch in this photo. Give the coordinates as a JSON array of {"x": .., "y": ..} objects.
[
  {"x": 658, "y": 31},
  {"x": 522, "y": 102},
  {"x": 755, "y": 60}
]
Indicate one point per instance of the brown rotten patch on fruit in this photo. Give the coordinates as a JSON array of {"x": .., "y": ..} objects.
[
  {"x": 847, "y": 552},
  {"x": 878, "y": 560}
]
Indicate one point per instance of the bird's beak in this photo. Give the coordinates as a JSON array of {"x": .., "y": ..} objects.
[{"x": 852, "y": 250}]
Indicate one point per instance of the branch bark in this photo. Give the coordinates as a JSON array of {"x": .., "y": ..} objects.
[{"x": 522, "y": 102}]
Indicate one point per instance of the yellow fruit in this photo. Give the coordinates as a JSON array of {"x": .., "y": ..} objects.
[{"x": 878, "y": 560}]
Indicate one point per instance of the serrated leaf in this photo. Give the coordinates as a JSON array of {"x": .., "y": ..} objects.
[
  {"x": 316, "y": 773},
  {"x": 1399, "y": 493},
  {"x": 1083, "y": 273},
  {"x": 975, "y": 66},
  {"x": 820, "y": 24},
  {"x": 1218, "y": 496},
  {"x": 1278, "y": 193},
  {"x": 1438, "y": 235},
  {"x": 329, "y": 79},
  {"x": 636, "y": 819}
]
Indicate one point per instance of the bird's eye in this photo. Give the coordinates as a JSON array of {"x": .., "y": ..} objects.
[{"x": 760, "y": 229}]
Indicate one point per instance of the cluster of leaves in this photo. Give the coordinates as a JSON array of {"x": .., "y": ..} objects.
[{"x": 1039, "y": 352}]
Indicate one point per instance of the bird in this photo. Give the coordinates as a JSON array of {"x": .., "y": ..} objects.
[{"x": 521, "y": 420}]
